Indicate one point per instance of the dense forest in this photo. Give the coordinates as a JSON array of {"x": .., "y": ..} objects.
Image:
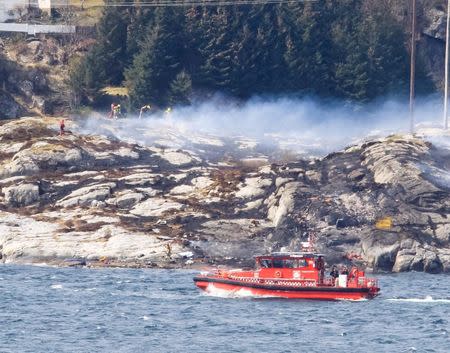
[{"x": 349, "y": 49}]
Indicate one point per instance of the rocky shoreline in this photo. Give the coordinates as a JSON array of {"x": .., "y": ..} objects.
[{"x": 92, "y": 200}]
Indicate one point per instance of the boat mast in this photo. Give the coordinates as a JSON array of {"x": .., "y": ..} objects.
[
  {"x": 413, "y": 68},
  {"x": 447, "y": 44}
]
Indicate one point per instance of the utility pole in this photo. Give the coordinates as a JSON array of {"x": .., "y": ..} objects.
[
  {"x": 413, "y": 68},
  {"x": 446, "y": 68}
]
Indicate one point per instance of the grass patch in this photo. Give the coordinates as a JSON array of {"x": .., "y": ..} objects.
[
  {"x": 395, "y": 138},
  {"x": 87, "y": 3},
  {"x": 91, "y": 12},
  {"x": 115, "y": 91}
]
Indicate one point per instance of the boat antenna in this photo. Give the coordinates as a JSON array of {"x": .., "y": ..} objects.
[{"x": 309, "y": 245}]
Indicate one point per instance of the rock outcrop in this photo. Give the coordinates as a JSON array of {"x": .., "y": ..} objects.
[
  {"x": 9, "y": 107},
  {"x": 21, "y": 195},
  {"x": 382, "y": 204}
]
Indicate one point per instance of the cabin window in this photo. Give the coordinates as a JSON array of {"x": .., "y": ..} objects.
[
  {"x": 302, "y": 263},
  {"x": 289, "y": 263},
  {"x": 277, "y": 263},
  {"x": 265, "y": 263}
]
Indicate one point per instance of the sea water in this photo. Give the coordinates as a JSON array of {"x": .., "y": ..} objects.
[{"x": 45, "y": 309}]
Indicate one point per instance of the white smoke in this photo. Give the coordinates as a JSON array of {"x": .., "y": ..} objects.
[{"x": 304, "y": 125}]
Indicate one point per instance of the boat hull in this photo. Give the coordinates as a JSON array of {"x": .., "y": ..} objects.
[{"x": 209, "y": 284}]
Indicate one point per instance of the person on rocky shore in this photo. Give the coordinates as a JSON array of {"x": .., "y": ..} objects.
[
  {"x": 145, "y": 110},
  {"x": 111, "y": 113},
  {"x": 117, "y": 111},
  {"x": 169, "y": 251},
  {"x": 62, "y": 127}
]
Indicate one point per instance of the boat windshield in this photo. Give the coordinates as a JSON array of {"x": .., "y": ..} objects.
[
  {"x": 282, "y": 263},
  {"x": 266, "y": 263},
  {"x": 289, "y": 263},
  {"x": 278, "y": 263}
]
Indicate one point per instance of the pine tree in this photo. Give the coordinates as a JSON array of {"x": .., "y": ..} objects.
[
  {"x": 194, "y": 30},
  {"x": 216, "y": 50},
  {"x": 3, "y": 70},
  {"x": 317, "y": 48},
  {"x": 181, "y": 89},
  {"x": 76, "y": 82},
  {"x": 111, "y": 49},
  {"x": 352, "y": 49},
  {"x": 105, "y": 62},
  {"x": 246, "y": 73},
  {"x": 351, "y": 75},
  {"x": 156, "y": 64},
  {"x": 140, "y": 19},
  {"x": 387, "y": 61},
  {"x": 270, "y": 41}
]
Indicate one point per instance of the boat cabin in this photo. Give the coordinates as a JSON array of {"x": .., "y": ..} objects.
[{"x": 301, "y": 266}]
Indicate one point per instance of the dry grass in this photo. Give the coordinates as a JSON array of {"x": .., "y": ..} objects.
[
  {"x": 27, "y": 131},
  {"x": 80, "y": 226},
  {"x": 395, "y": 138},
  {"x": 91, "y": 12},
  {"x": 115, "y": 91},
  {"x": 226, "y": 180},
  {"x": 87, "y": 3}
]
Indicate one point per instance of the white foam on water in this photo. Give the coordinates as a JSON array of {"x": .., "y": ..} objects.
[
  {"x": 352, "y": 300},
  {"x": 213, "y": 291},
  {"x": 145, "y": 318},
  {"x": 39, "y": 264},
  {"x": 427, "y": 299},
  {"x": 56, "y": 286}
]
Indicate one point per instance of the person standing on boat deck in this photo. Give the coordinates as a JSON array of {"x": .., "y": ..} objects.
[
  {"x": 320, "y": 264},
  {"x": 334, "y": 273},
  {"x": 344, "y": 271}
]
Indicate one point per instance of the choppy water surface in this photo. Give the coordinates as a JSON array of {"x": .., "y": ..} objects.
[{"x": 46, "y": 309}]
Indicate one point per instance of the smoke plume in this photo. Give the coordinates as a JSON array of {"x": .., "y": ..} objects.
[{"x": 305, "y": 125}]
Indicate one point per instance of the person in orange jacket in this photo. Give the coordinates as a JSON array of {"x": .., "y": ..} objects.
[{"x": 62, "y": 126}]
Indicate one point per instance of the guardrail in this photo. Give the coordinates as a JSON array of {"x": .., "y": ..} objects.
[{"x": 35, "y": 28}]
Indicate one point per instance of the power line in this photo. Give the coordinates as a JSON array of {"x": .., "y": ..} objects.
[
  {"x": 447, "y": 49},
  {"x": 413, "y": 68},
  {"x": 179, "y": 3}
]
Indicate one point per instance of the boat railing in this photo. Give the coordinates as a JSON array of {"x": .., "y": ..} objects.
[
  {"x": 274, "y": 281},
  {"x": 355, "y": 282},
  {"x": 220, "y": 273},
  {"x": 362, "y": 282},
  {"x": 368, "y": 282}
]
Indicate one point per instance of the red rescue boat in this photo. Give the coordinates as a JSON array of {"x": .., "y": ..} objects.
[{"x": 293, "y": 275}]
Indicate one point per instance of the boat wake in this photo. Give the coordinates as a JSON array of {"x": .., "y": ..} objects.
[
  {"x": 352, "y": 300},
  {"x": 427, "y": 299},
  {"x": 213, "y": 291}
]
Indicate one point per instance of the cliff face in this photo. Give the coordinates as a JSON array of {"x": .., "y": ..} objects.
[
  {"x": 34, "y": 74},
  {"x": 382, "y": 204}
]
